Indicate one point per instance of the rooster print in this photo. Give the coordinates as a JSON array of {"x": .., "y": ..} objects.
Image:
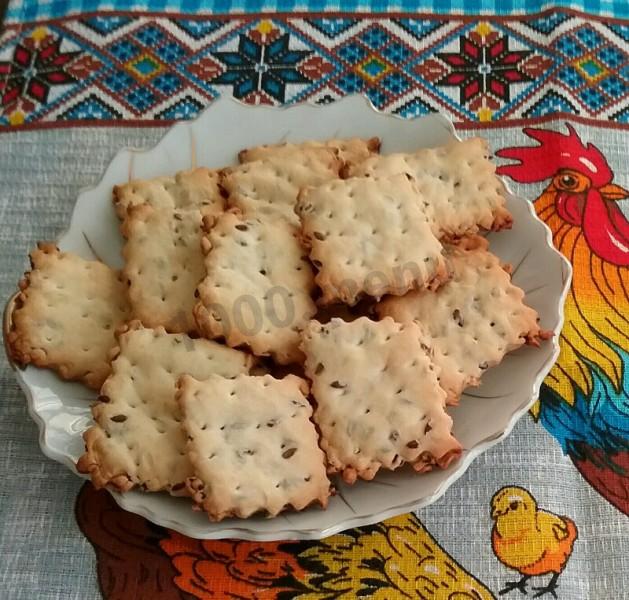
[{"x": 584, "y": 402}]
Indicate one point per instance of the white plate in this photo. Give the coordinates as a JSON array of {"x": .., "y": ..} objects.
[{"x": 61, "y": 409}]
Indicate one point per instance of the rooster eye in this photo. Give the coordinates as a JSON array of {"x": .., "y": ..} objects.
[
  {"x": 568, "y": 182},
  {"x": 513, "y": 505}
]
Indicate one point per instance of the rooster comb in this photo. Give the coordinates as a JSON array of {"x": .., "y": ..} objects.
[{"x": 556, "y": 151}]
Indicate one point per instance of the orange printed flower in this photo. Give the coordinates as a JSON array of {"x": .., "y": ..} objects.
[{"x": 231, "y": 569}]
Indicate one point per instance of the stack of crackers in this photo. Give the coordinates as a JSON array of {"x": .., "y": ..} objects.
[{"x": 308, "y": 312}]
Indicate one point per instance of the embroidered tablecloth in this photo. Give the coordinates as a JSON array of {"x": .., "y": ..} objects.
[{"x": 546, "y": 82}]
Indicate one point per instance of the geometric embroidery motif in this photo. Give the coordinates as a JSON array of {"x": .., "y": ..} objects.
[{"x": 153, "y": 68}]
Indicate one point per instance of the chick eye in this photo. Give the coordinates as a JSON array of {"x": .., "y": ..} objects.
[{"x": 513, "y": 505}]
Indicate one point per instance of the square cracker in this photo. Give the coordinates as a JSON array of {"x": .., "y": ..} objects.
[
  {"x": 473, "y": 320},
  {"x": 269, "y": 187},
  {"x": 457, "y": 181},
  {"x": 66, "y": 315},
  {"x": 258, "y": 286},
  {"x": 163, "y": 265},
  {"x": 350, "y": 151},
  {"x": 138, "y": 439},
  {"x": 252, "y": 445},
  {"x": 369, "y": 236},
  {"x": 196, "y": 188},
  {"x": 378, "y": 400}
]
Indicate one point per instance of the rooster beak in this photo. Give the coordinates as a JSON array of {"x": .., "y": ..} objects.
[{"x": 613, "y": 192}]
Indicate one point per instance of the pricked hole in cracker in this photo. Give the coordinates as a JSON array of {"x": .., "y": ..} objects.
[
  {"x": 288, "y": 453},
  {"x": 242, "y": 228},
  {"x": 320, "y": 236},
  {"x": 394, "y": 436},
  {"x": 119, "y": 418},
  {"x": 412, "y": 444},
  {"x": 338, "y": 385}
]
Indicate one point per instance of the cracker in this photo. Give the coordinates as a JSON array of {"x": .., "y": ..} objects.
[
  {"x": 66, "y": 315},
  {"x": 197, "y": 188},
  {"x": 270, "y": 187},
  {"x": 473, "y": 320},
  {"x": 350, "y": 151},
  {"x": 258, "y": 286},
  {"x": 369, "y": 236},
  {"x": 164, "y": 265},
  {"x": 458, "y": 183},
  {"x": 252, "y": 445},
  {"x": 379, "y": 404},
  {"x": 138, "y": 439}
]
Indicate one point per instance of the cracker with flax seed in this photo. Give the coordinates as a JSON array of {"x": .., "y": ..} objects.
[
  {"x": 163, "y": 265},
  {"x": 351, "y": 151},
  {"x": 252, "y": 445},
  {"x": 258, "y": 287},
  {"x": 138, "y": 439},
  {"x": 268, "y": 188},
  {"x": 66, "y": 314},
  {"x": 460, "y": 190},
  {"x": 378, "y": 401},
  {"x": 473, "y": 320},
  {"x": 369, "y": 236},
  {"x": 194, "y": 189}
]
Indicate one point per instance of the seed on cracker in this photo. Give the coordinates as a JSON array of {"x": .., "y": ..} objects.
[
  {"x": 378, "y": 402},
  {"x": 473, "y": 320},
  {"x": 164, "y": 265},
  {"x": 252, "y": 445},
  {"x": 258, "y": 286},
  {"x": 268, "y": 188},
  {"x": 369, "y": 236},
  {"x": 350, "y": 151},
  {"x": 195, "y": 189},
  {"x": 138, "y": 439},
  {"x": 66, "y": 315},
  {"x": 458, "y": 182}
]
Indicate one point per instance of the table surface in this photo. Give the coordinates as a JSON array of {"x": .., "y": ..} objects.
[{"x": 77, "y": 86}]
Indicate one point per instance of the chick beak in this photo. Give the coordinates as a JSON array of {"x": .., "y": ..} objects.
[{"x": 612, "y": 191}]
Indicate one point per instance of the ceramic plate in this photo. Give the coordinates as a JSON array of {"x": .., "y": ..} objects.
[{"x": 483, "y": 418}]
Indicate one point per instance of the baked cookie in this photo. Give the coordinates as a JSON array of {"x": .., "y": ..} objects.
[
  {"x": 378, "y": 401},
  {"x": 258, "y": 285},
  {"x": 368, "y": 235},
  {"x": 252, "y": 445},
  {"x": 473, "y": 320},
  {"x": 163, "y": 265},
  {"x": 66, "y": 314}
]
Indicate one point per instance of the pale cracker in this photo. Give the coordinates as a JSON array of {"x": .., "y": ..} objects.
[
  {"x": 270, "y": 187},
  {"x": 195, "y": 189},
  {"x": 138, "y": 439},
  {"x": 369, "y": 236},
  {"x": 378, "y": 402},
  {"x": 252, "y": 445},
  {"x": 258, "y": 286},
  {"x": 473, "y": 320},
  {"x": 457, "y": 181},
  {"x": 164, "y": 265},
  {"x": 66, "y": 315},
  {"x": 350, "y": 151}
]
